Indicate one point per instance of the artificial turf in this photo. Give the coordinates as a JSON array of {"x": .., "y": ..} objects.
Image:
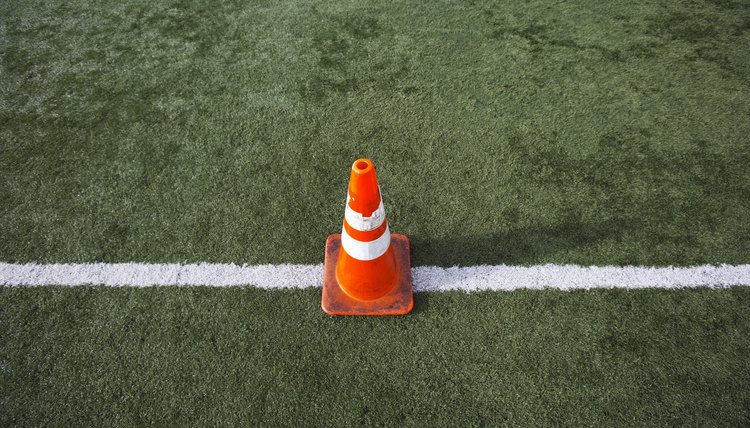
[
  {"x": 238, "y": 357},
  {"x": 503, "y": 132}
]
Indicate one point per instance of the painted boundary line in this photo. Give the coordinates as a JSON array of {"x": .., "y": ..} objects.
[{"x": 426, "y": 278}]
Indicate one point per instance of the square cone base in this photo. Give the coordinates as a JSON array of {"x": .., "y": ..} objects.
[{"x": 398, "y": 301}]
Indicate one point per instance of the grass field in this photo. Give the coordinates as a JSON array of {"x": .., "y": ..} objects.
[
  {"x": 510, "y": 132},
  {"x": 198, "y": 356},
  {"x": 503, "y": 132}
]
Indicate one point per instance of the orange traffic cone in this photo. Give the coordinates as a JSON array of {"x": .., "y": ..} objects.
[{"x": 367, "y": 269}]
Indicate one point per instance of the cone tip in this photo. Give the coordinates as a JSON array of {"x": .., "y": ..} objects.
[{"x": 362, "y": 166}]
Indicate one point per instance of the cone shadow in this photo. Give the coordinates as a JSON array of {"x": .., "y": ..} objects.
[{"x": 518, "y": 246}]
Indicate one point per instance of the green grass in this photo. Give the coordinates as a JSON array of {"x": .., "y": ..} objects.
[
  {"x": 503, "y": 132},
  {"x": 516, "y": 132},
  {"x": 229, "y": 357}
]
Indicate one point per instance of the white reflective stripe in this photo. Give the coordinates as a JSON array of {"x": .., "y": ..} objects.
[
  {"x": 362, "y": 223},
  {"x": 366, "y": 250}
]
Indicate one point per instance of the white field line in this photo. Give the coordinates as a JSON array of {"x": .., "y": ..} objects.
[{"x": 426, "y": 278}]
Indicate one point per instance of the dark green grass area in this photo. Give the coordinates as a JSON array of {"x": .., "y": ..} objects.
[
  {"x": 504, "y": 132},
  {"x": 236, "y": 357}
]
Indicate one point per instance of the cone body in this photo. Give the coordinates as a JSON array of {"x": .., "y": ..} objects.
[{"x": 366, "y": 267}]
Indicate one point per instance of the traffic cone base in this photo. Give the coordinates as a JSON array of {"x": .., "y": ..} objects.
[{"x": 398, "y": 301}]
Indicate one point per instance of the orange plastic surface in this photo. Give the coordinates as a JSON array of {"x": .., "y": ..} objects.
[
  {"x": 367, "y": 279},
  {"x": 399, "y": 300},
  {"x": 363, "y": 187}
]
